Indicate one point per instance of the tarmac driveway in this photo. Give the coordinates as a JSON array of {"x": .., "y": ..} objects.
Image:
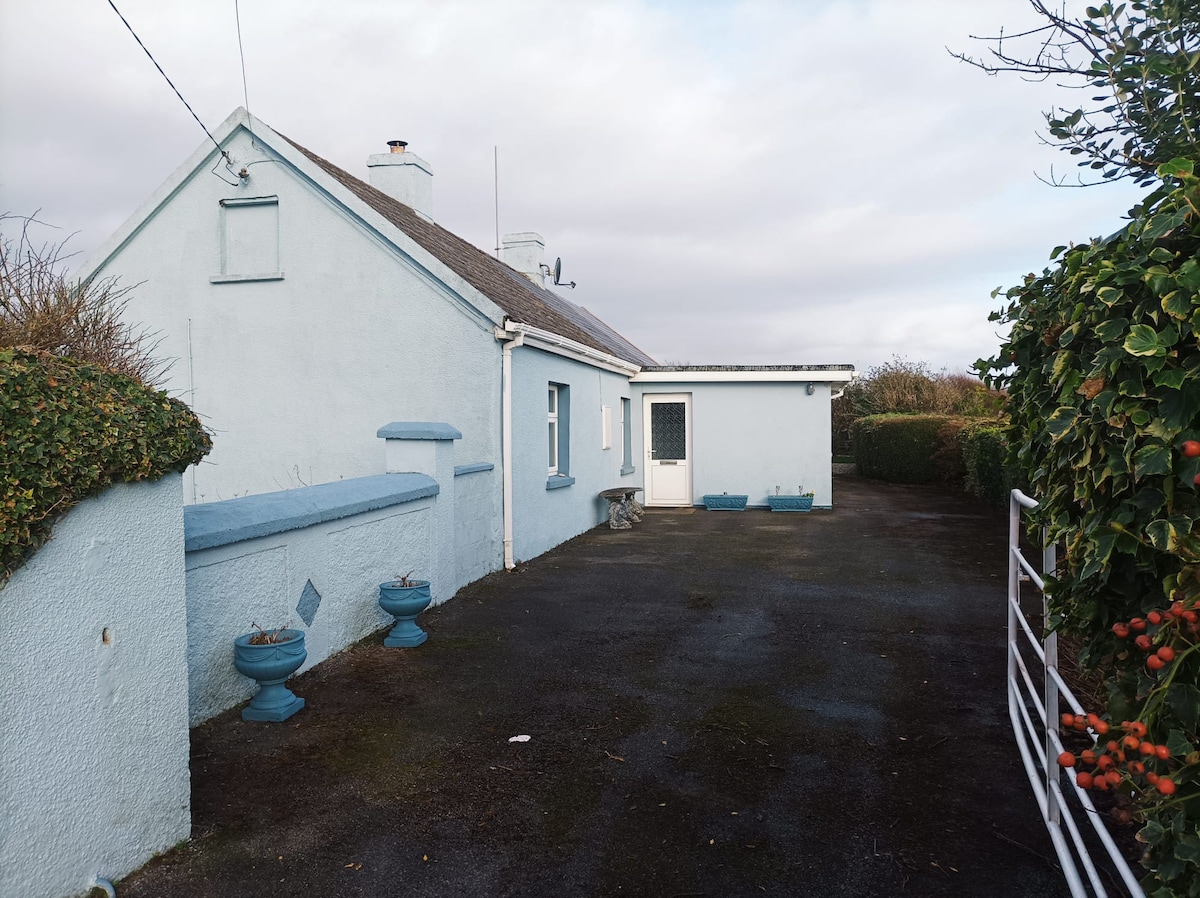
[{"x": 717, "y": 704}]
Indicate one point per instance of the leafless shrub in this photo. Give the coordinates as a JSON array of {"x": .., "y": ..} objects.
[
  {"x": 904, "y": 387},
  {"x": 41, "y": 308}
]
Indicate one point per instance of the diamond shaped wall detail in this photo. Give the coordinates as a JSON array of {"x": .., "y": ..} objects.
[{"x": 310, "y": 601}]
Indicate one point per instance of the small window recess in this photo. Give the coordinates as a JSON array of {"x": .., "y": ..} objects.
[{"x": 249, "y": 240}]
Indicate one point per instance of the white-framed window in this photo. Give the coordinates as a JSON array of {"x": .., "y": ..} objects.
[{"x": 552, "y": 419}]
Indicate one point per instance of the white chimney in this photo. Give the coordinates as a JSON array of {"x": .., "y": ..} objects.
[
  {"x": 403, "y": 176},
  {"x": 524, "y": 252}
]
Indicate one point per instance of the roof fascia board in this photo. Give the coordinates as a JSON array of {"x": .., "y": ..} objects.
[
  {"x": 549, "y": 341},
  {"x": 810, "y": 375}
]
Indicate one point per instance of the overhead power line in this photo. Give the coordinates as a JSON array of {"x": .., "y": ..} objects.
[
  {"x": 245, "y": 90},
  {"x": 168, "y": 80}
]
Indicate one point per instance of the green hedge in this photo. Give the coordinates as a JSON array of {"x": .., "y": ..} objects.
[
  {"x": 898, "y": 448},
  {"x": 67, "y": 431}
]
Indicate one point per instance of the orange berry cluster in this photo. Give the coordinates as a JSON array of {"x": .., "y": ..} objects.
[
  {"x": 1185, "y": 619},
  {"x": 1131, "y": 752}
]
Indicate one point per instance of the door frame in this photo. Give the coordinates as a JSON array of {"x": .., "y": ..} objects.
[{"x": 686, "y": 399}]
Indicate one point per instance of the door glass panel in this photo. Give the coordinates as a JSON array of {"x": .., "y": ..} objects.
[{"x": 668, "y": 430}]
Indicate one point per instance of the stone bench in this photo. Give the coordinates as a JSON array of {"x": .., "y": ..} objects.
[{"x": 623, "y": 507}]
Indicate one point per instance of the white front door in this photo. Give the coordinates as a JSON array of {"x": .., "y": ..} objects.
[{"x": 668, "y": 430}]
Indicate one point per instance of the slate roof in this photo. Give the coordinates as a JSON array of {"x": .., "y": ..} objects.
[{"x": 522, "y": 300}]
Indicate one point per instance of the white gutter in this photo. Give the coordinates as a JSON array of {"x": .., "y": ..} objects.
[
  {"x": 506, "y": 460},
  {"x": 571, "y": 349},
  {"x": 842, "y": 392}
]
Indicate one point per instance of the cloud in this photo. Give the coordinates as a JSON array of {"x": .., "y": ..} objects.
[{"x": 754, "y": 182}]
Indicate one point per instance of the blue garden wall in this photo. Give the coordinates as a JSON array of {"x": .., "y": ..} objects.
[{"x": 311, "y": 558}]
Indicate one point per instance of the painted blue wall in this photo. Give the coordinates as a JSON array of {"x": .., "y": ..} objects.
[
  {"x": 478, "y": 521},
  {"x": 311, "y": 558},
  {"x": 93, "y": 703},
  {"x": 544, "y": 516},
  {"x": 748, "y": 438}
]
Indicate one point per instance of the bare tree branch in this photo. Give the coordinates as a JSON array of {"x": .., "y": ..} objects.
[{"x": 42, "y": 308}]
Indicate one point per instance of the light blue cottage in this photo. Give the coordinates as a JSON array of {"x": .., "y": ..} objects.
[
  {"x": 384, "y": 397},
  {"x": 307, "y": 309}
]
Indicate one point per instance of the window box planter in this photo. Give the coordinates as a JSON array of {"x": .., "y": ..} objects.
[
  {"x": 725, "y": 502},
  {"x": 790, "y": 503}
]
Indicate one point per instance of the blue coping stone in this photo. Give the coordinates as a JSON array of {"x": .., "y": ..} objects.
[
  {"x": 558, "y": 481},
  {"x": 459, "y": 470},
  {"x": 233, "y": 520},
  {"x": 310, "y": 601},
  {"x": 418, "y": 430}
]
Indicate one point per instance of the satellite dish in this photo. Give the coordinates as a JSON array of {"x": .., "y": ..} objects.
[{"x": 558, "y": 275}]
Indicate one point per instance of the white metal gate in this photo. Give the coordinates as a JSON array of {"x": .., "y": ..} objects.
[{"x": 1035, "y": 714}]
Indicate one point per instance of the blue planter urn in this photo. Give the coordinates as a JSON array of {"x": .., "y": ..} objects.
[
  {"x": 270, "y": 664},
  {"x": 404, "y": 603}
]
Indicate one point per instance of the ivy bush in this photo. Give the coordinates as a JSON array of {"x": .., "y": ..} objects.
[
  {"x": 1102, "y": 368},
  {"x": 68, "y": 429}
]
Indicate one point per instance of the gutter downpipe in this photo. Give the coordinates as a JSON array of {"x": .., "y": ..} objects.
[
  {"x": 511, "y": 341},
  {"x": 842, "y": 392}
]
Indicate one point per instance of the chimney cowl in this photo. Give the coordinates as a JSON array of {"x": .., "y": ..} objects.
[{"x": 397, "y": 145}]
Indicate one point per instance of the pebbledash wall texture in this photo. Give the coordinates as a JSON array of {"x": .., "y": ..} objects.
[
  {"x": 94, "y": 711},
  {"x": 117, "y": 636}
]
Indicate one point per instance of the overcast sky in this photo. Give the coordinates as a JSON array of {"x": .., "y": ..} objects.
[{"x": 728, "y": 182}]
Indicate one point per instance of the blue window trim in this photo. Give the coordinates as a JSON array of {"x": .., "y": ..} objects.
[
  {"x": 626, "y": 435},
  {"x": 243, "y": 278},
  {"x": 558, "y": 481},
  {"x": 563, "y": 425}
]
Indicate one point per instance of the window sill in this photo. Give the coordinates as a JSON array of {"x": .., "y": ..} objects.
[
  {"x": 558, "y": 481},
  {"x": 627, "y": 469},
  {"x": 239, "y": 278}
]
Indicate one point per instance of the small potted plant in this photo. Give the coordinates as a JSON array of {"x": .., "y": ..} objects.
[
  {"x": 270, "y": 657},
  {"x": 404, "y": 599},
  {"x": 802, "y": 501}
]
